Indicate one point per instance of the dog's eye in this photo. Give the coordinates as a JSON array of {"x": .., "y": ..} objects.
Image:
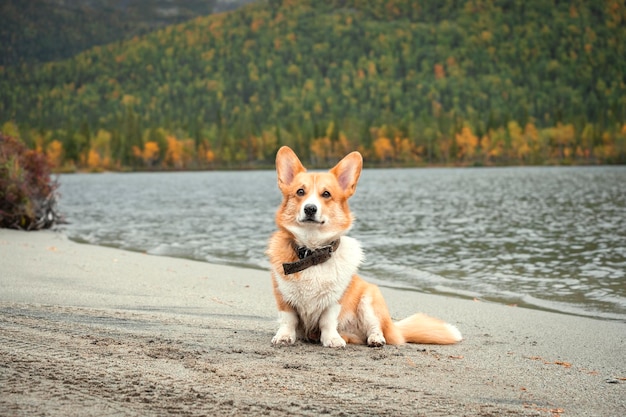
[
  {"x": 300, "y": 192},
  {"x": 326, "y": 194}
]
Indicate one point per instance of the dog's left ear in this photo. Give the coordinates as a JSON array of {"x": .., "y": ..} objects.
[{"x": 348, "y": 171}]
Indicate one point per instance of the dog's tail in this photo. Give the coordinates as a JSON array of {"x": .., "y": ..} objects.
[{"x": 420, "y": 328}]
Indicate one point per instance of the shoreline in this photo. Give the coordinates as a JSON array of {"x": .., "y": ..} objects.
[
  {"x": 544, "y": 305},
  {"x": 326, "y": 166},
  {"x": 88, "y": 328}
]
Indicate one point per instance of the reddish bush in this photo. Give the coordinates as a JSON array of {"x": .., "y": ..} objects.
[{"x": 27, "y": 193}]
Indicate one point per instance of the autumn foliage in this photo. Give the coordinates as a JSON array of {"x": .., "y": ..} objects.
[
  {"x": 27, "y": 193},
  {"x": 404, "y": 82}
]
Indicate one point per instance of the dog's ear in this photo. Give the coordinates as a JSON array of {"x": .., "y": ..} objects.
[
  {"x": 287, "y": 167},
  {"x": 348, "y": 171}
]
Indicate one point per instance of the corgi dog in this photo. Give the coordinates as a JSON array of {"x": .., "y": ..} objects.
[{"x": 313, "y": 266}]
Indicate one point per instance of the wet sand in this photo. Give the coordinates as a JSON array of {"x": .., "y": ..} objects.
[{"x": 96, "y": 331}]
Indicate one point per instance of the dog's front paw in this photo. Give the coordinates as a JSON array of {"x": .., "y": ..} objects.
[
  {"x": 284, "y": 338},
  {"x": 334, "y": 341},
  {"x": 376, "y": 340}
]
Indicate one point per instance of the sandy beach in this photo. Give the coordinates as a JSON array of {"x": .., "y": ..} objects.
[{"x": 96, "y": 331}]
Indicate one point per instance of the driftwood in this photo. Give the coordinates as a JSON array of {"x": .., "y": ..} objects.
[{"x": 44, "y": 215}]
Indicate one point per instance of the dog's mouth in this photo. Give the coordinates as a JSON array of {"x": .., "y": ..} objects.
[{"x": 311, "y": 220}]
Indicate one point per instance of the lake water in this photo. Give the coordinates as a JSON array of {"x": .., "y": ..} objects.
[{"x": 548, "y": 238}]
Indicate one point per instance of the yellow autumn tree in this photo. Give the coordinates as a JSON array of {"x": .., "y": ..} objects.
[
  {"x": 209, "y": 155},
  {"x": 150, "y": 154},
  {"x": 467, "y": 144},
  {"x": 534, "y": 143},
  {"x": 563, "y": 139},
  {"x": 383, "y": 149},
  {"x": 94, "y": 161},
  {"x": 54, "y": 153},
  {"x": 206, "y": 154},
  {"x": 174, "y": 153},
  {"x": 99, "y": 155},
  {"x": 520, "y": 148},
  {"x": 493, "y": 145},
  {"x": 179, "y": 153}
]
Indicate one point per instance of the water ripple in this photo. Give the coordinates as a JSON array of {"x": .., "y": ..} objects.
[{"x": 550, "y": 238}]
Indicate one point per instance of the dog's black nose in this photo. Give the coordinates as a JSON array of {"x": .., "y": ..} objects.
[{"x": 310, "y": 210}]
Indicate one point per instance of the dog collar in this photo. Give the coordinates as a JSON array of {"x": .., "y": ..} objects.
[{"x": 309, "y": 258}]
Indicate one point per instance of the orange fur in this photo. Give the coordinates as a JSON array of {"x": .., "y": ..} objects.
[
  {"x": 329, "y": 302},
  {"x": 418, "y": 328}
]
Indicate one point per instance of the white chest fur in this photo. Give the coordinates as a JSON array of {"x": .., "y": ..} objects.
[{"x": 315, "y": 289}]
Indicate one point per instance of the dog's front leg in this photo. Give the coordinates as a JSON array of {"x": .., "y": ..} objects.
[
  {"x": 328, "y": 327},
  {"x": 286, "y": 334}
]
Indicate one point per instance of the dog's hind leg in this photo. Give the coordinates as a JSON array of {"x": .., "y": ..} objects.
[
  {"x": 370, "y": 323},
  {"x": 375, "y": 319}
]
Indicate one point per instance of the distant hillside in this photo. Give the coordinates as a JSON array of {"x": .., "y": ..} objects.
[
  {"x": 406, "y": 82},
  {"x": 48, "y": 30}
]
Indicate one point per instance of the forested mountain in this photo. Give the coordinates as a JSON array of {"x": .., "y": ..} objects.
[
  {"x": 48, "y": 30},
  {"x": 411, "y": 82}
]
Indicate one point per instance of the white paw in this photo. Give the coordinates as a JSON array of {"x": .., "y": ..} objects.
[
  {"x": 282, "y": 338},
  {"x": 376, "y": 340},
  {"x": 334, "y": 341}
]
